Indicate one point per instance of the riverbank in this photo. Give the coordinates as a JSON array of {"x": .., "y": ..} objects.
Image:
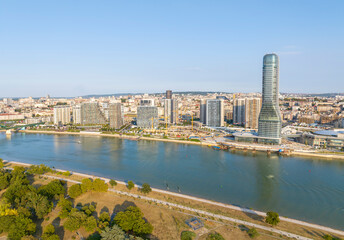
[
  {"x": 206, "y": 207},
  {"x": 236, "y": 145}
]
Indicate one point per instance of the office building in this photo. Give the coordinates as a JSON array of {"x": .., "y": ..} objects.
[
  {"x": 147, "y": 117},
  {"x": 61, "y": 115},
  {"x": 171, "y": 111},
  {"x": 214, "y": 113},
  {"x": 269, "y": 123},
  {"x": 168, "y": 94},
  {"x": 92, "y": 114},
  {"x": 115, "y": 115},
  {"x": 77, "y": 114}
]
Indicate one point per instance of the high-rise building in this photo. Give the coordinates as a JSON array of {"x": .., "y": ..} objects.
[
  {"x": 214, "y": 113},
  {"x": 168, "y": 94},
  {"x": 147, "y": 117},
  {"x": 91, "y": 114},
  {"x": 61, "y": 115},
  {"x": 269, "y": 126},
  {"x": 171, "y": 111},
  {"x": 115, "y": 115},
  {"x": 147, "y": 102},
  {"x": 203, "y": 111},
  {"x": 77, "y": 114},
  {"x": 252, "y": 110},
  {"x": 239, "y": 111}
]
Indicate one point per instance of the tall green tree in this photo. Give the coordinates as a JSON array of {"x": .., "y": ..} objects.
[
  {"x": 130, "y": 185},
  {"x": 52, "y": 189},
  {"x": 132, "y": 220},
  {"x": 75, "y": 191},
  {"x": 272, "y": 218}
]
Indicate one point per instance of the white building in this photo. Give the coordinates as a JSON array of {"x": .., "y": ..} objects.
[
  {"x": 214, "y": 113},
  {"x": 61, "y": 115}
]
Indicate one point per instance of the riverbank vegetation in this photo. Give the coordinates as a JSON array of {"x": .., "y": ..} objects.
[{"x": 40, "y": 202}]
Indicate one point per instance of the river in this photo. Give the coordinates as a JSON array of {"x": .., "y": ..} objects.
[{"x": 311, "y": 190}]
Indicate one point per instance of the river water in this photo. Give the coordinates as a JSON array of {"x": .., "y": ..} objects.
[{"x": 311, "y": 190}]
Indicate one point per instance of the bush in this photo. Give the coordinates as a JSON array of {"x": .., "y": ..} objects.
[
  {"x": 112, "y": 182},
  {"x": 49, "y": 233},
  {"x": 38, "y": 169},
  {"x": 75, "y": 220},
  {"x": 1, "y": 163},
  {"x": 187, "y": 235},
  {"x": 88, "y": 209},
  {"x": 75, "y": 191},
  {"x": 132, "y": 220},
  {"x": 66, "y": 173},
  {"x": 215, "y": 236},
  {"x": 272, "y": 218},
  {"x": 252, "y": 233},
  {"x": 130, "y": 185},
  {"x": 104, "y": 220},
  {"x": 66, "y": 207},
  {"x": 146, "y": 188}
]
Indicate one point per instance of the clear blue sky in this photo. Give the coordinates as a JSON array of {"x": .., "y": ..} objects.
[{"x": 72, "y": 48}]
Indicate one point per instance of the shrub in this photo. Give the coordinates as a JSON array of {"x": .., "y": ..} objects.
[
  {"x": 146, "y": 188},
  {"x": 215, "y": 236},
  {"x": 187, "y": 235},
  {"x": 90, "y": 224},
  {"x": 130, "y": 185},
  {"x": 112, "y": 182},
  {"x": 252, "y": 233}
]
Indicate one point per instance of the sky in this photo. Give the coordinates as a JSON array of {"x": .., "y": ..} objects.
[{"x": 81, "y": 47}]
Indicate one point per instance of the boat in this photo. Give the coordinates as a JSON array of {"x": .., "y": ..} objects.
[{"x": 216, "y": 147}]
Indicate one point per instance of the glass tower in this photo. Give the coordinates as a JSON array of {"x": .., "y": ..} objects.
[{"x": 269, "y": 123}]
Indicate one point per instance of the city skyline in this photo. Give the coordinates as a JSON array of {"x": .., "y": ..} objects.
[{"x": 76, "y": 49}]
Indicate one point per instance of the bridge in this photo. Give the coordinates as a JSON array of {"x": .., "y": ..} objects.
[{"x": 16, "y": 127}]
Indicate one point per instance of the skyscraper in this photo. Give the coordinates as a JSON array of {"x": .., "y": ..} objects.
[
  {"x": 171, "y": 110},
  {"x": 77, "y": 114},
  {"x": 168, "y": 94},
  {"x": 239, "y": 111},
  {"x": 115, "y": 115},
  {"x": 214, "y": 113},
  {"x": 269, "y": 123}
]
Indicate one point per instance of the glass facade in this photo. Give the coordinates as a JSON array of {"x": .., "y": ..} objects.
[{"x": 269, "y": 124}]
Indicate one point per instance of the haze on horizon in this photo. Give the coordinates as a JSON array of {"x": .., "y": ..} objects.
[{"x": 75, "y": 48}]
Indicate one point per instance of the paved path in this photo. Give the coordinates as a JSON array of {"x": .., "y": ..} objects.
[{"x": 246, "y": 210}]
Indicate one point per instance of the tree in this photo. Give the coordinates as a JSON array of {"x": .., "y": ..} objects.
[
  {"x": 21, "y": 227},
  {"x": 1, "y": 163},
  {"x": 75, "y": 191},
  {"x": 100, "y": 185},
  {"x": 88, "y": 209},
  {"x": 52, "y": 189},
  {"x": 17, "y": 191},
  {"x": 131, "y": 220},
  {"x": 39, "y": 203},
  {"x": 187, "y": 235},
  {"x": 112, "y": 182},
  {"x": 272, "y": 218},
  {"x": 49, "y": 233},
  {"x": 146, "y": 188},
  {"x": 5, "y": 178},
  {"x": 94, "y": 236},
  {"x": 252, "y": 233},
  {"x": 116, "y": 233},
  {"x": 130, "y": 185},
  {"x": 66, "y": 207},
  {"x": 75, "y": 220},
  {"x": 90, "y": 224},
  {"x": 104, "y": 220},
  {"x": 86, "y": 185},
  {"x": 215, "y": 236}
]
